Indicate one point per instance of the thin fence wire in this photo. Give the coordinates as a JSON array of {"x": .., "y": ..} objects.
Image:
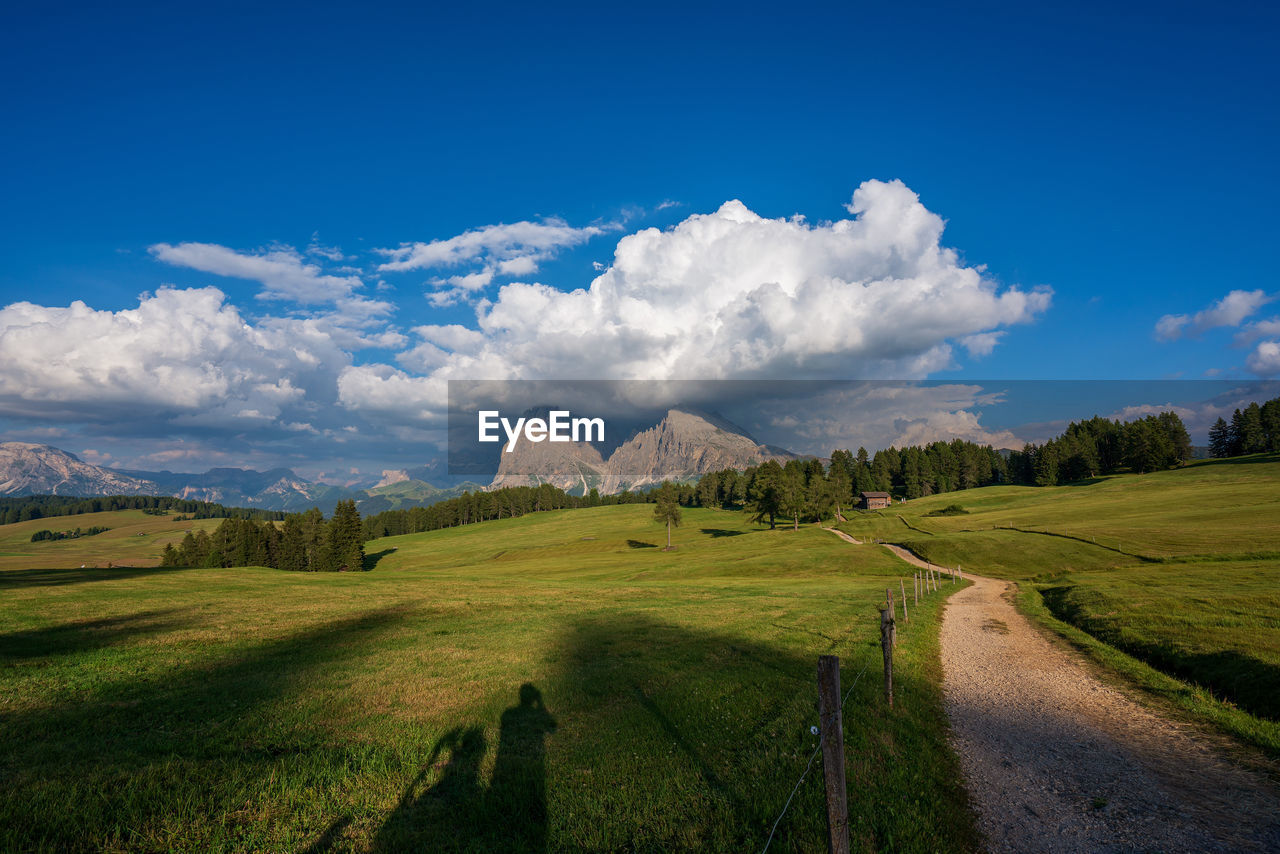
[{"x": 808, "y": 766}]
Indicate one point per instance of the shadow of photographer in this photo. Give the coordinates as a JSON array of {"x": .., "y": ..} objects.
[{"x": 457, "y": 812}]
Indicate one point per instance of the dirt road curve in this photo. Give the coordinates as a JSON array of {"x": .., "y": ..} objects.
[{"x": 1056, "y": 761}]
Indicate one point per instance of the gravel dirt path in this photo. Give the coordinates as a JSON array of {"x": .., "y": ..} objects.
[
  {"x": 1057, "y": 761},
  {"x": 842, "y": 535}
]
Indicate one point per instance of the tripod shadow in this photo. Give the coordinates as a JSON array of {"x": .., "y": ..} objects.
[{"x": 457, "y": 813}]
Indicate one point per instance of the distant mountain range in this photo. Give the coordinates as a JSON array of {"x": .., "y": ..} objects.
[
  {"x": 29, "y": 469},
  {"x": 682, "y": 446}
]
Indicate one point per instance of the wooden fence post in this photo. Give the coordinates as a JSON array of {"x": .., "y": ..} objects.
[
  {"x": 893, "y": 631},
  {"x": 886, "y": 647},
  {"x": 903, "y": 585},
  {"x": 915, "y": 585},
  {"x": 832, "y": 735}
]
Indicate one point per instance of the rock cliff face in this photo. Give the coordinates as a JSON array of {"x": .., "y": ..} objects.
[
  {"x": 681, "y": 446},
  {"x": 27, "y": 469},
  {"x": 572, "y": 466}
]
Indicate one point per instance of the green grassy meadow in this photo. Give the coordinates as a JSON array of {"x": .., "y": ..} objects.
[
  {"x": 1169, "y": 574},
  {"x": 554, "y": 682},
  {"x": 135, "y": 539}
]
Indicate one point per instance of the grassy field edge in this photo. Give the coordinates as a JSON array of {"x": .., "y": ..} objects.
[{"x": 1193, "y": 702}]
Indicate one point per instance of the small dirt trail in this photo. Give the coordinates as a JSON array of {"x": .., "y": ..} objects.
[
  {"x": 912, "y": 559},
  {"x": 842, "y": 535},
  {"x": 1057, "y": 761}
]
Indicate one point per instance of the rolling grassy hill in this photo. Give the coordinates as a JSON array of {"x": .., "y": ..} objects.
[
  {"x": 1178, "y": 569},
  {"x": 560, "y": 682},
  {"x": 554, "y": 682},
  {"x": 134, "y": 539}
]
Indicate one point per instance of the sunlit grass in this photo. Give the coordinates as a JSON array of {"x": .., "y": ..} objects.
[
  {"x": 668, "y": 702},
  {"x": 1179, "y": 570},
  {"x": 134, "y": 539}
]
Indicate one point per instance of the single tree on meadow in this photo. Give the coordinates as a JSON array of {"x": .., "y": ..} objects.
[{"x": 667, "y": 509}]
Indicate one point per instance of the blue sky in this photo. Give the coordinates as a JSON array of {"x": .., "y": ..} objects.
[{"x": 1112, "y": 166}]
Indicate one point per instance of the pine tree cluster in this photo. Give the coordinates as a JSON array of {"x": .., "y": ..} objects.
[
  {"x": 1102, "y": 446},
  {"x": 469, "y": 508},
  {"x": 28, "y": 507},
  {"x": 306, "y": 542},
  {"x": 1253, "y": 430},
  {"x": 806, "y": 490}
]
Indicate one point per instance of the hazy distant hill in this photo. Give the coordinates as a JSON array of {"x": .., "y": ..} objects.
[
  {"x": 30, "y": 469},
  {"x": 410, "y": 493},
  {"x": 681, "y": 446}
]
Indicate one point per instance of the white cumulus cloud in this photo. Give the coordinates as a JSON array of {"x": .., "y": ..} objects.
[
  {"x": 722, "y": 295},
  {"x": 1265, "y": 359},
  {"x": 1231, "y": 310},
  {"x": 731, "y": 294},
  {"x": 284, "y": 274},
  {"x": 502, "y": 242},
  {"x": 183, "y": 352},
  {"x": 514, "y": 249}
]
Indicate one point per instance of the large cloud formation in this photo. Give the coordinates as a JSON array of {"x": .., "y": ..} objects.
[
  {"x": 723, "y": 295},
  {"x": 180, "y": 353},
  {"x": 732, "y": 294}
]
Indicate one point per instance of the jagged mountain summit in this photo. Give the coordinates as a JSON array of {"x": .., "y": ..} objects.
[
  {"x": 681, "y": 446},
  {"x": 30, "y": 469}
]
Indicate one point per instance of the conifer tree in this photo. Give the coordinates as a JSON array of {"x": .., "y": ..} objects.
[
  {"x": 1253, "y": 439},
  {"x": 666, "y": 510},
  {"x": 293, "y": 545},
  {"x": 766, "y": 498},
  {"x": 345, "y": 540},
  {"x": 1220, "y": 439}
]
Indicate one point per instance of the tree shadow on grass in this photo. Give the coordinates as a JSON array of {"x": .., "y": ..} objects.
[
  {"x": 371, "y": 559},
  {"x": 1088, "y": 481},
  {"x": 640, "y": 544},
  {"x": 457, "y": 812},
  {"x": 19, "y": 578},
  {"x": 716, "y": 533},
  {"x": 695, "y": 739},
  {"x": 686, "y": 736},
  {"x": 189, "y": 742},
  {"x": 650, "y": 701},
  {"x": 85, "y": 635}
]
